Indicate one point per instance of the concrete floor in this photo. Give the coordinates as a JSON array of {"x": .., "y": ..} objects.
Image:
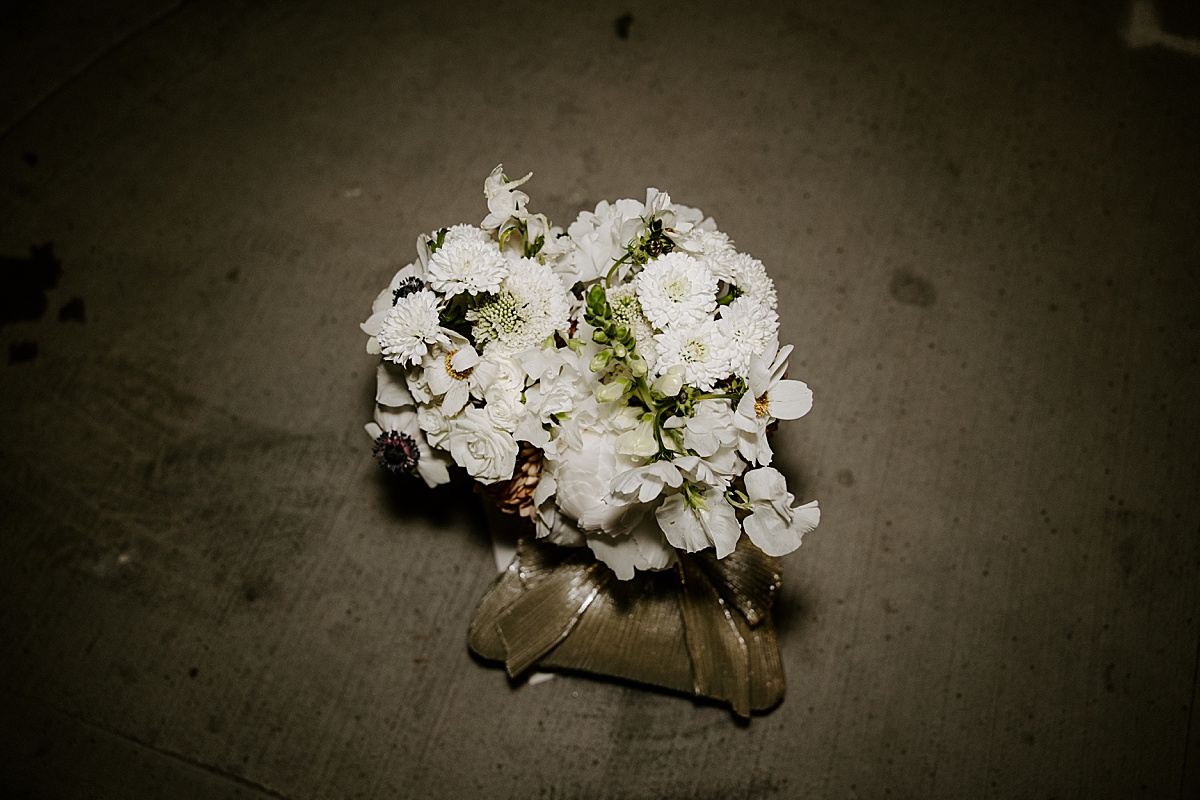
[{"x": 983, "y": 220}]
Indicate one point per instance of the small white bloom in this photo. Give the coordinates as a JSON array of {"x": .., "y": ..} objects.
[
  {"x": 467, "y": 265},
  {"x": 504, "y": 408},
  {"x": 713, "y": 249},
  {"x": 410, "y": 327},
  {"x": 431, "y": 464},
  {"x": 676, "y": 289},
  {"x": 391, "y": 388},
  {"x": 643, "y": 548},
  {"x": 627, "y": 311},
  {"x": 460, "y": 233},
  {"x": 748, "y": 325},
  {"x": 529, "y": 307},
  {"x": 450, "y": 374},
  {"x": 712, "y": 522},
  {"x": 774, "y": 525},
  {"x": 639, "y": 442},
  {"x": 599, "y": 239},
  {"x": 751, "y": 277},
  {"x": 709, "y": 429},
  {"x": 407, "y": 278},
  {"x": 503, "y": 199},
  {"x": 488, "y": 455},
  {"x": 699, "y": 349},
  {"x": 768, "y": 397},
  {"x": 435, "y": 424},
  {"x": 643, "y": 484}
]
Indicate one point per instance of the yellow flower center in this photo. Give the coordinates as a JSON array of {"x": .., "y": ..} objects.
[
  {"x": 762, "y": 406},
  {"x": 452, "y": 372}
]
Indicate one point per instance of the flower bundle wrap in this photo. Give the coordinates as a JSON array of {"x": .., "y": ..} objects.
[{"x": 613, "y": 382}]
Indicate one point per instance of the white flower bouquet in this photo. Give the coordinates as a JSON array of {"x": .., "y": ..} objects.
[{"x": 613, "y": 384}]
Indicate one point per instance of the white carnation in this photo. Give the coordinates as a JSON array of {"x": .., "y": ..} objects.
[
  {"x": 467, "y": 264},
  {"x": 676, "y": 289},
  {"x": 410, "y": 327},
  {"x": 699, "y": 349}
]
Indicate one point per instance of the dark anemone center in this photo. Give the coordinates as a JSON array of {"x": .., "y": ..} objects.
[
  {"x": 396, "y": 452},
  {"x": 407, "y": 287}
]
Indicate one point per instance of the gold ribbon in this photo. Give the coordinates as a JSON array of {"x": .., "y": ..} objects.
[{"x": 703, "y": 628}]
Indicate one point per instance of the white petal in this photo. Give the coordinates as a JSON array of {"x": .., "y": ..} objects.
[
  {"x": 789, "y": 400},
  {"x": 432, "y": 467},
  {"x": 373, "y": 430},
  {"x": 680, "y": 524},
  {"x": 721, "y": 524},
  {"x": 390, "y": 387},
  {"x": 765, "y": 484}
]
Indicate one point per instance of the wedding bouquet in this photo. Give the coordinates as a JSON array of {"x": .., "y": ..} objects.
[{"x": 615, "y": 383}]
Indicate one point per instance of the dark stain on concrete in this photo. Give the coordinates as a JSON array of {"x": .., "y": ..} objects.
[
  {"x": 24, "y": 283},
  {"x": 912, "y": 289},
  {"x": 30, "y": 158},
  {"x": 623, "y": 23},
  {"x": 72, "y": 311},
  {"x": 845, "y": 477},
  {"x": 22, "y": 352},
  {"x": 233, "y": 275}
]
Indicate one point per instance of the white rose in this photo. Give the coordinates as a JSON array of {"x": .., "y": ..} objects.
[
  {"x": 504, "y": 408},
  {"x": 487, "y": 454},
  {"x": 434, "y": 423}
]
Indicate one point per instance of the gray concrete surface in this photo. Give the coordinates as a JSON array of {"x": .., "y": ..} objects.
[{"x": 983, "y": 222}]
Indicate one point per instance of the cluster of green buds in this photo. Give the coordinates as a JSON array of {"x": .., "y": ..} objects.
[
  {"x": 668, "y": 396},
  {"x": 616, "y": 339}
]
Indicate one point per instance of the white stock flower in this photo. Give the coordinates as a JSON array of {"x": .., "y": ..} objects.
[
  {"x": 774, "y": 525},
  {"x": 712, "y": 522},
  {"x": 488, "y": 455},
  {"x": 467, "y": 265},
  {"x": 643, "y": 548},
  {"x": 700, "y": 349},
  {"x": 528, "y": 307},
  {"x": 747, "y": 325},
  {"x": 599, "y": 238},
  {"x": 709, "y": 429},
  {"x": 676, "y": 289},
  {"x": 503, "y": 199},
  {"x": 410, "y": 326}
]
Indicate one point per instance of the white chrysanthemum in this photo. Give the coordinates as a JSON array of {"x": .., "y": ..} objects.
[
  {"x": 748, "y": 326},
  {"x": 699, "y": 349},
  {"x": 626, "y": 310},
  {"x": 466, "y": 233},
  {"x": 528, "y": 307},
  {"x": 714, "y": 250},
  {"x": 410, "y": 327},
  {"x": 467, "y": 264},
  {"x": 751, "y": 277},
  {"x": 676, "y": 289}
]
